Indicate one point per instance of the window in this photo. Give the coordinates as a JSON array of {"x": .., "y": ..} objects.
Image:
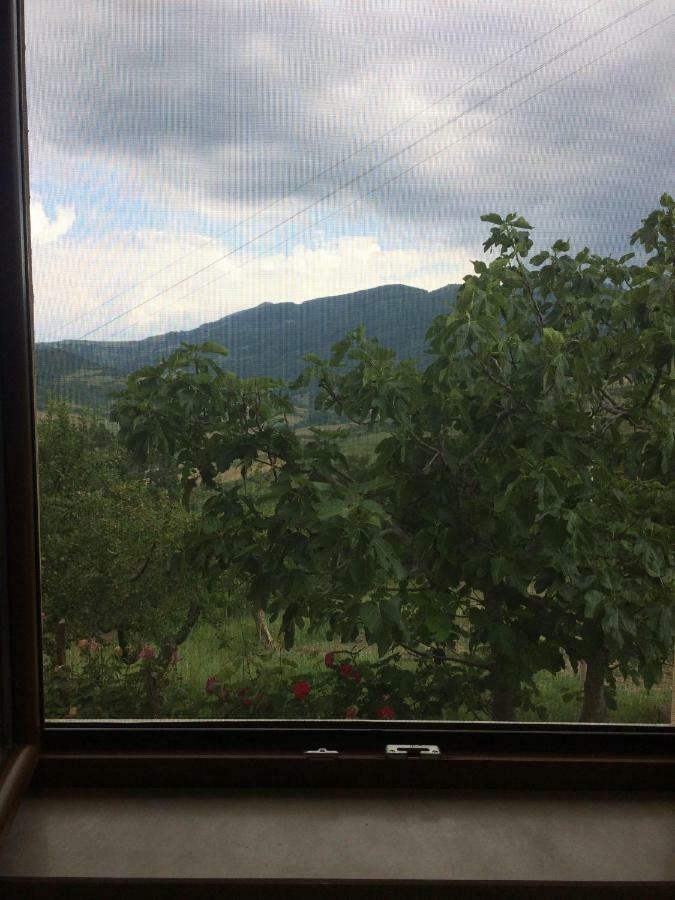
[
  {"x": 5, "y": 697},
  {"x": 294, "y": 444},
  {"x": 19, "y": 641}
]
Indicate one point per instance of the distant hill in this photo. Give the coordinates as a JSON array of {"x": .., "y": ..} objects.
[
  {"x": 66, "y": 375},
  {"x": 270, "y": 339}
]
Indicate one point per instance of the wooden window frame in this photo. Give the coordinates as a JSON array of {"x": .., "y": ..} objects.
[{"x": 224, "y": 754}]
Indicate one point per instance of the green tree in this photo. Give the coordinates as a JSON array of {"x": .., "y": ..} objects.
[
  {"x": 518, "y": 505},
  {"x": 108, "y": 537}
]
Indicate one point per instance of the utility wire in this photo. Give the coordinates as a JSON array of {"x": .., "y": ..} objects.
[
  {"x": 368, "y": 171},
  {"x": 336, "y": 164},
  {"x": 426, "y": 159}
]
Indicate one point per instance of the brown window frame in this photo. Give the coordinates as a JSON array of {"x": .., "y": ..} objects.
[{"x": 218, "y": 754}]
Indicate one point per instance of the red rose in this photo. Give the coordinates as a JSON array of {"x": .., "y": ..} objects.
[
  {"x": 301, "y": 689},
  {"x": 346, "y": 670},
  {"x": 350, "y": 712},
  {"x": 385, "y": 712},
  {"x": 211, "y": 684},
  {"x": 329, "y": 660}
]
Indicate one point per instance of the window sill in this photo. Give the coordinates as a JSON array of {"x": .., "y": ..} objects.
[{"x": 399, "y": 840}]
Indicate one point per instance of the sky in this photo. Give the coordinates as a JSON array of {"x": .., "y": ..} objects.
[{"x": 294, "y": 149}]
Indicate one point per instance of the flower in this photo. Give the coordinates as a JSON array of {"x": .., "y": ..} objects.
[
  {"x": 94, "y": 646},
  {"x": 147, "y": 651},
  {"x": 301, "y": 689},
  {"x": 347, "y": 670},
  {"x": 83, "y": 644},
  {"x": 211, "y": 684},
  {"x": 350, "y": 712},
  {"x": 118, "y": 652},
  {"x": 329, "y": 660},
  {"x": 385, "y": 712}
]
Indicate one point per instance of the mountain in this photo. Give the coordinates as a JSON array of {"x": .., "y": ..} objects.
[{"x": 270, "y": 339}]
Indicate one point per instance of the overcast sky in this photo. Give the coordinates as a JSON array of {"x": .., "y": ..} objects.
[{"x": 164, "y": 134}]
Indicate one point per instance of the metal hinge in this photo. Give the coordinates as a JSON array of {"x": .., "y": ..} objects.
[{"x": 405, "y": 751}]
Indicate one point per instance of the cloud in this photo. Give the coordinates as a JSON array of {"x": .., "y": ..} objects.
[
  {"x": 211, "y": 114},
  {"x": 83, "y": 285},
  {"x": 44, "y": 230}
]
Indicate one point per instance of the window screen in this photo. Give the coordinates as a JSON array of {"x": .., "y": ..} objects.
[{"x": 354, "y": 358}]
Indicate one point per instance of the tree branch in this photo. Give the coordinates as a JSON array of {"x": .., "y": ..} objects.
[
  {"x": 183, "y": 632},
  {"x": 447, "y": 658},
  {"x": 145, "y": 564},
  {"x": 505, "y": 413}
]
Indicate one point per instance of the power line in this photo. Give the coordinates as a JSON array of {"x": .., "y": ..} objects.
[
  {"x": 368, "y": 171},
  {"x": 433, "y": 155},
  {"x": 339, "y": 162}
]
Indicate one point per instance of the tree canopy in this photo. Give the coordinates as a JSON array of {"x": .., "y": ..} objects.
[{"x": 517, "y": 507}]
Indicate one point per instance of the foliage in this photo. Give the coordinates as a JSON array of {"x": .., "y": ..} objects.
[
  {"x": 108, "y": 537},
  {"x": 338, "y": 684},
  {"x": 519, "y": 503}
]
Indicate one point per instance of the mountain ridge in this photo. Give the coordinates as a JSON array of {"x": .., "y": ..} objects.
[{"x": 268, "y": 339}]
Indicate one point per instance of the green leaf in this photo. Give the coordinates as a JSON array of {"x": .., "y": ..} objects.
[
  {"x": 331, "y": 509},
  {"x": 493, "y": 218},
  {"x": 593, "y": 601},
  {"x": 371, "y": 618},
  {"x": 498, "y": 568}
]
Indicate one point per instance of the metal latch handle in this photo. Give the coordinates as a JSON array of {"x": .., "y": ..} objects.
[{"x": 406, "y": 751}]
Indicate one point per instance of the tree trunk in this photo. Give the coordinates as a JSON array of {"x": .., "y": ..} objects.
[
  {"x": 123, "y": 642},
  {"x": 594, "y": 707},
  {"x": 61, "y": 642},
  {"x": 152, "y": 692},
  {"x": 171, "y": 645},
  {"x": 503, "y": 684},
  {"x": 264, "y": 633},
  {"x": 503, "y": 706}
]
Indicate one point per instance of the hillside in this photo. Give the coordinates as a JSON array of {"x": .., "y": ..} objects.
[
  {"x": 66, "y": 375},
  {"x": 270, "y": 339}
]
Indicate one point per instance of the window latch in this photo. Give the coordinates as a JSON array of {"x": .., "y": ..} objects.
[
  {"x": 408, "y": 751},
  {"x": 322, "y": 751}
]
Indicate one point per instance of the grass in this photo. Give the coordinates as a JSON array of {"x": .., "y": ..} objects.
[
  {"x": 235, "y": 644},
  {"x": 560, "y": 698}
]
